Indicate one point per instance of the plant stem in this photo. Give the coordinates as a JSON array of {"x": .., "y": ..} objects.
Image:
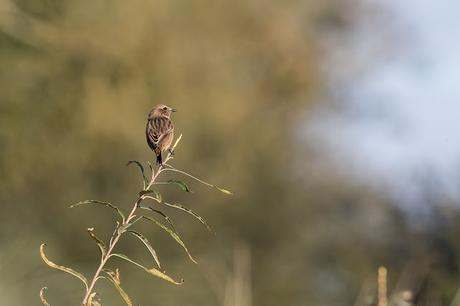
[
  {"x": 118, "y": 235},
  {"x": 99, "y": 270}
]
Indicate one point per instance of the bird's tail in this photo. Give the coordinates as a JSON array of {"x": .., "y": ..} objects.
[{"x": 159, "y": 159}]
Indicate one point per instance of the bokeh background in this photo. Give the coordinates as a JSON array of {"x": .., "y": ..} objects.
[{"x": 333, "y": 122}]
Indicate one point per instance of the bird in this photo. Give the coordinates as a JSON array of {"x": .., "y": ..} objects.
[{"x": 160, "y": 130}]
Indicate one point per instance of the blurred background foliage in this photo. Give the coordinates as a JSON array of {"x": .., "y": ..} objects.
[{"x": 77, "y": 79}]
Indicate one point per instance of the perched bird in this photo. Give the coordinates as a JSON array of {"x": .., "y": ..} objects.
[{"x": 160, "y": 130}]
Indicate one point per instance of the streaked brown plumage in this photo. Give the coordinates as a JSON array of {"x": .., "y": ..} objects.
[{"x": 160, "y": 130}]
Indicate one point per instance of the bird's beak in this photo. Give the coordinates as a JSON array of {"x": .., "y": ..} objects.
[{"x": 173, "y": 110}]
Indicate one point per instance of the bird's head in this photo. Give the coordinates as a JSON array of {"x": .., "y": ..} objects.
[{"x": 161, "y": 110}]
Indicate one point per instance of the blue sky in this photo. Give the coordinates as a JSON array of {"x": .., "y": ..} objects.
[{"x": 401, "y": 116}]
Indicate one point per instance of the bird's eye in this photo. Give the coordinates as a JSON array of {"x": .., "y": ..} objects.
[{"x": 165, "y": 108}]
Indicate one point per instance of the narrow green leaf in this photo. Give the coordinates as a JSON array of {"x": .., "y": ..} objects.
[
  {"x": 99, "y": 242},
  {"x": 42, "y": 296},
  {"x": 124, "y": 227},
  {"x": 181, "y": 184},
  {"x": 151, "y": 271},
  {"x": 134, "y": 221},
  {"x": 152, "y": 172},
  {"x": 146, "y": 242},
  {"x": 152, "y": 198},
  {"x": 115, "y": 232},
  {"x": 62, "y": 268},
  {"x": 171, "y": 168},
  {"x": 162, "y": 214},
  {"x": 191, "y": 212},
  {"x": 100, "y": 203},
  {"x": 114, "y": 278},
  {"x": 145, "y": 181},
  {"x": 174, "y": 235},
  {"x": 157, "y": 197}
]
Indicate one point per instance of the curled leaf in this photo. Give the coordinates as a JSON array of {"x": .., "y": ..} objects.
[
  {"x": 147, "y": 244},
  {"x": 145, "y": 181},
  {"x": 99, "y": 242},
  {"x": 115, "y": 275},
  {"x": 144, "y": 192},
  {"x": 151, "y": 271},
  {"x": 100, "y": 203},
  {"x": 94, "y": 299},
  {"x": 62, "y": 268},
  {"x": 174, "y": 235},
  {"x": 191, "y": 212},
  {"x": 42, "y": 296}
]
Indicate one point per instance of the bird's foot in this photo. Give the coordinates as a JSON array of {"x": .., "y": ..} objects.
[{"x": 171, "y": 151}]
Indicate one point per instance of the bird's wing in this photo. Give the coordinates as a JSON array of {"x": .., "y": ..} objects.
[{"x": 157, "y": 128}]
